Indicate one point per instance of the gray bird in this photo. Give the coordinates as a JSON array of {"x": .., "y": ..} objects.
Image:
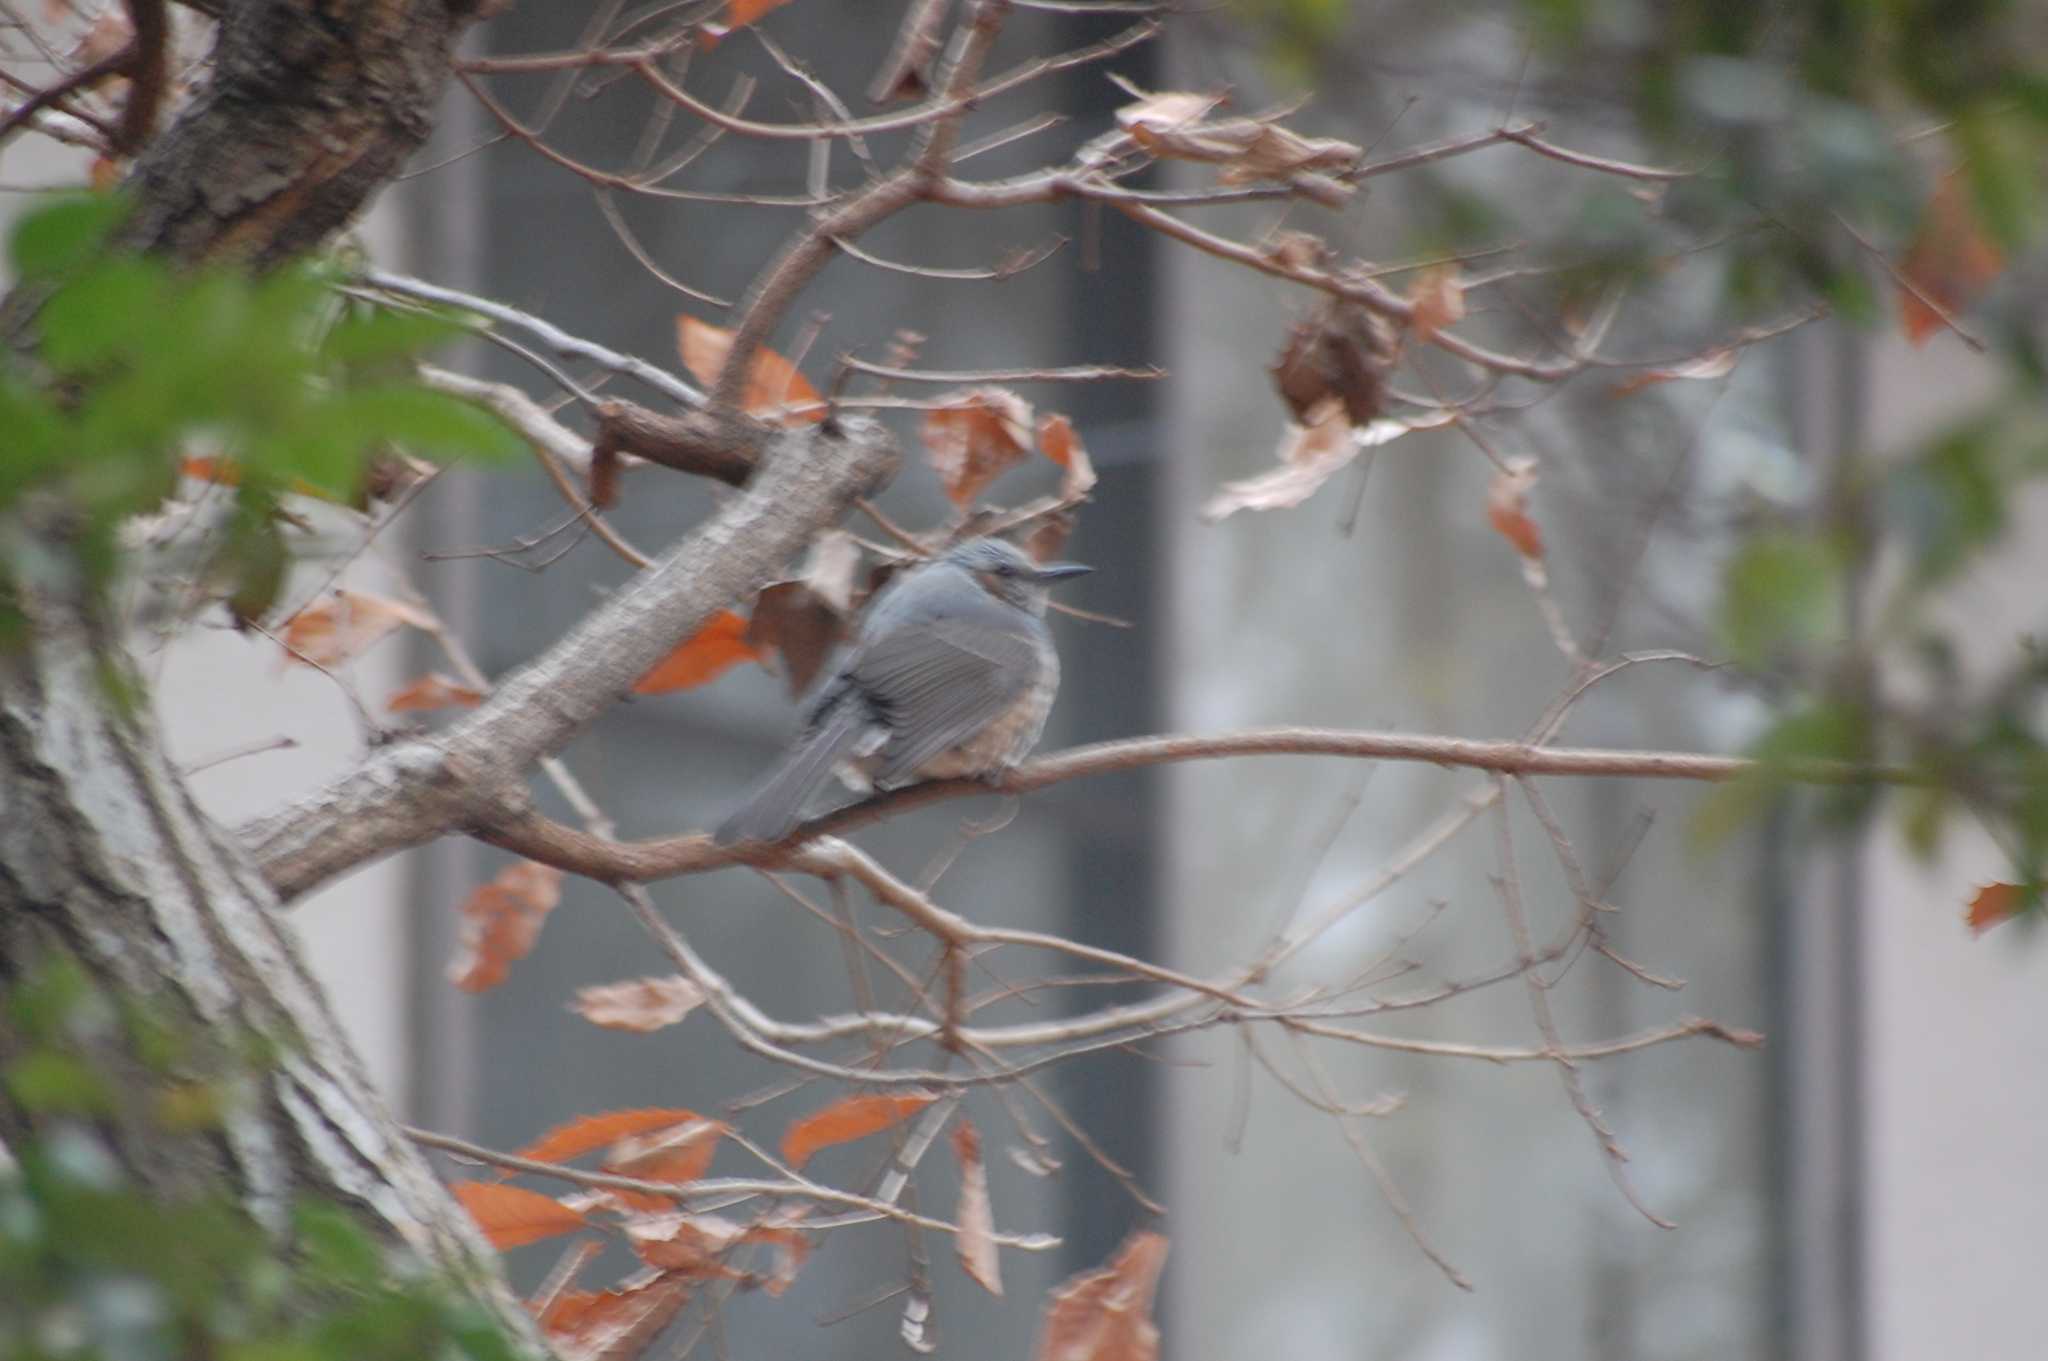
[{"x": 952, "y": 673}]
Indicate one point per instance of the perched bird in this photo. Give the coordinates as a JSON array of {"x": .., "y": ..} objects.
[{"x": 952, "y": 673}]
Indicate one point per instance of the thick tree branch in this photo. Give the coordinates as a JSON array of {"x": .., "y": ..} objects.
[
  {"x": 312, "y": 108},
  {"x": 470, "y": 774}
]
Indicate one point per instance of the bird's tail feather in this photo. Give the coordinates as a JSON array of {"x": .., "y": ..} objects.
[{"x": 777, "y": 803}]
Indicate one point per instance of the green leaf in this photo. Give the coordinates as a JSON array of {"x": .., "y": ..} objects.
[
  {"x": 378, "y": 334},
  {"x": 336, "y": 1249},
  {"x": 64, "y": 232},
  {"x": 428, "y": 422},
  {"x": 1820, "y": 732},
  {"x": 93, "y": 318},
  {"x": 1781, "y": 590},
  {"x": 31, "y": 437},
  {"x": 260, "y": 561},
  {"x": 2000, "y": 164},
  {"x": 1949, "y": 503},
  {"x": 48, "y": 1082}
]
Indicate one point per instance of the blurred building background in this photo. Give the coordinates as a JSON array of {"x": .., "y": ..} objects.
[{"x": 1864, "y": 1189}]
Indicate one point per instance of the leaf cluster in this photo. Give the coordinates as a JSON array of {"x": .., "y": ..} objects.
[{"x": 276, "y": 383}]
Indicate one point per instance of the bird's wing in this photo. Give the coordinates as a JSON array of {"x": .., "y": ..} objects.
[{"x": 937, "y": 681}]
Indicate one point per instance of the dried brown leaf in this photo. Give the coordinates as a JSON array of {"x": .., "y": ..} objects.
[
  {"x": 613, "y": 1325},
  {"x": 587, "y": 1132},
  {"x": 1049, "y": 540},
  {"x": 1309, "y": 456},
  {"x": 976, "y": 1241},
  {"x": 1058, "y": 442},
  {"x": 1439, "y": 299},
  {"x": 1507, "y": 507},
  {"x": 511, "y": 1215},
  {"x": 694, "y": 1246},
  {"x": 1344, "y": 351},
  {"x": 1164, "y": 112},
  {"x": 639, "y": 1004},
  {"x": 775, "y": 390},
  {"x": 1257, "y": 150},
  {"x": 678, "y": 1152},
  {"x": 1106, "y": 1314},
  {"x": 345, "y": 624},
  {"x": 1951, "y": 261},
  {"x": 975, "y": 436},
  {"x": 703, "y": 656},
  {"x": 1715, "y": 363},
  {"x": 853, "y": 1117},
  {"x": 433, "y": 691},
  {"x": 1296, "y": 250},
  {"x": 794, "y": 622},
  {"x": 501, "y": 921},
  {"x": 686, "y": 1244}
]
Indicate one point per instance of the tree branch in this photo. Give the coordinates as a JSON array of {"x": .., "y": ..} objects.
[
  {"x": 691, "y": 853},
  {"x": 469, "y": 775}
]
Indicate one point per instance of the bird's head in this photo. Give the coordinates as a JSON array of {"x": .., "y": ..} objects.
[{"x": 1009, "y": 573}]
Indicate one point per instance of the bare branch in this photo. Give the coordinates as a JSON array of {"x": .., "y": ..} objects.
[
  {"x": 549, "y": 334},
  {"x": 1072, "y": 373}
]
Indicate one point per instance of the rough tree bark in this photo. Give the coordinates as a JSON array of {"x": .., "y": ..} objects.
[
  {"x": 104, "y": 859},
  {"x": 106, "y": 864}
]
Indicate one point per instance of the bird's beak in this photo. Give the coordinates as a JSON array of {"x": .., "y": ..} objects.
[{"x": 1060, "y": 571}]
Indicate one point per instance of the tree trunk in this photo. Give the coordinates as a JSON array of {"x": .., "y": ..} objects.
[
  {"x": 312, "y": 107},
  {"x": 108, "y": 871}
]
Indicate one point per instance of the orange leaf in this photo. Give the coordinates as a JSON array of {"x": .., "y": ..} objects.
[
  {"x": 1993, "y": 904},
  {"x": 1507, "y": 507},
  {"x": 641, "y": 1004},
  {"x": 500, "y": 923},
  {"x": 1105, "y": 1315},
  {"x": 1439, "y": 298},
  {"x": 227, "y": 473},
  {"x": 678, "y": 1152},
  {"x": 207, "y": 468},
  {"x": 740, "y": 13},
  {"x": 773, "y": 383},
  {"x": 1950, "y": 262},
  {"x": 976, "y": 1242},
  {"x": 703, "y": 656},
  {"x": 433, "y": 691},
  {"x": 581, "y": 1135},
  {"x": 974, "y": 437},
  {"x": 345, "y": 625},
  {"x": 512, "y": 1215},
  {"x": 613, "y": 1325},
  {"x": 1058, "y": 442},
  {"x": 691, "y": 1245},
  {"x": 856, "y": 1117},
  {"x": 686, "y": 1244}
]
